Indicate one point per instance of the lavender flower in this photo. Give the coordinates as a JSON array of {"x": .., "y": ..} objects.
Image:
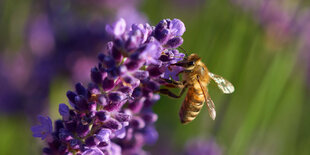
[
  {"x": 113, "y": 114},
  {"x": 44, "y": 129}
]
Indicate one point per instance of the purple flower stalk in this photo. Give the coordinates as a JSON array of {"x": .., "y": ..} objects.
[{"x": 113, "y": 114}]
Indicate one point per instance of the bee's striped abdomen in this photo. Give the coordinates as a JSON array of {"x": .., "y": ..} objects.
[{"x": 191, "y": 105}]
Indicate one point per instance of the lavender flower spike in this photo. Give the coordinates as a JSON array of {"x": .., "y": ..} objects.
[{"x": 113, "y": 113}]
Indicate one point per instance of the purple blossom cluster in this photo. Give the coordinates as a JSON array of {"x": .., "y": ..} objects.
[{"x": 113, "y": 114}]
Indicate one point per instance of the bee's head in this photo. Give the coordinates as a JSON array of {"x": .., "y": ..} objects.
[
  {"x": 189, "y": 62},
  {"x": 193, "y": 58}
]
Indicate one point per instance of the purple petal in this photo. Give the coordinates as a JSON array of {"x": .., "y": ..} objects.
[
  {"x": 82, "y": 130},
  {"x": 116, "y": 96},
  {"x": 149, "y": 117},
  {"x": 64, "y": 110},
  {"x": 178, "y": 27},
  {"x": 71, "y": 96},
  {"x": 152, "y": 85},
  {"x": 115, "y": 149},
  {"x": 107, "y": 84},
  {"x": 64, "y": 135},
  {"x": 151, "y": 53},
  {"x": 120, "y": 133},
  {"x": 122, "y": 117},
  {"x": 141, "y": 74},
  {"x": 113, "y": 124},
  {"x": 93, "y": 151},
  {"x": 91, "y": 141},
  {"x": 44, "y": 129},
  {"x": 174, "y": 42},
  {"x": 125, "y": 89},
  {"x": 155, "y": 70},
  {"x": 104, "y": 135},
  {"x": 150, "y": 135},
  {"x": 128, "y": 79},
  {"x": 117, "y": 28},
  {"x": 102, "y": 100},
  {"x": 95, "y": 74},
  {"x": 136, "y": 105},
  {"x": 137, "y": 123},
  {"x": 36, "y": 131},
  {"x": 75, "y": 143},
  {"x": 172, "y": 71},
  {"x": 102, "y": 115}
]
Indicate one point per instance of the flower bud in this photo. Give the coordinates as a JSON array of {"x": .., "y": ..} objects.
[
  {"x": 137, "y": 122},
  {"x": 162, "y": 36},
  {"x": 116, "y": 96},
  {"x": 117, "y": 54},
  {"x": 81, "y": 103},
  {"x": 91, "y": 141},
  {"x": 80, "y": 89},
  {"x": 174, "y": 42},
  {"x": 82, "y": 130},
  {"x": 137, "y": 92},
  {"x": 112, "y": 124},
  {"x": 107, "y": 84},
  {"x": 71, "y": 96},
  {"x": 101, "y": 115},
  {"x": 64, "y": 111},
  {"x": 103, "y": 135},
  {"x": 122, "y": 117},
  {"x": 96, "y": 76}
]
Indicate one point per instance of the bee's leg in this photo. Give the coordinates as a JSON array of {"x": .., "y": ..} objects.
[
  {"x": 171, "y": 94},
  {"x": 173, "y": 83}
]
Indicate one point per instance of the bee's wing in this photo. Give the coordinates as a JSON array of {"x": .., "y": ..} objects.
[
  {"x": 222, "y": 83},
  {"x": 211, "y": 107},
  {"x": 210, "y": 104}
]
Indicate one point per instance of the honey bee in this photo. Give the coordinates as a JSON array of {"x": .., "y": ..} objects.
[{"x": 196, "y": 78}]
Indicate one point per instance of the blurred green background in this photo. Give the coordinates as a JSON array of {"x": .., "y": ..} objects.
[{"x": 267, "y": 114}]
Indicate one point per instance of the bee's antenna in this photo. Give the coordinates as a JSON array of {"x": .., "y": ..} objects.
[{"x": 184, "y": 51}]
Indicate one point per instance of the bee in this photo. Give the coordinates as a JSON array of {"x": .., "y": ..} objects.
[{"x": 196, "y": 78}]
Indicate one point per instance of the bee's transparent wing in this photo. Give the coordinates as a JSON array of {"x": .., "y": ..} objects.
[
  {"x": 210, "y": 104},
  {"x": 211, "y": 110},
  {"x": 222, "y": 83}
]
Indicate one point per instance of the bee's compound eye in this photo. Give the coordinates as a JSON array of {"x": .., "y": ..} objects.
[{"x": 191, "y": 63}]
